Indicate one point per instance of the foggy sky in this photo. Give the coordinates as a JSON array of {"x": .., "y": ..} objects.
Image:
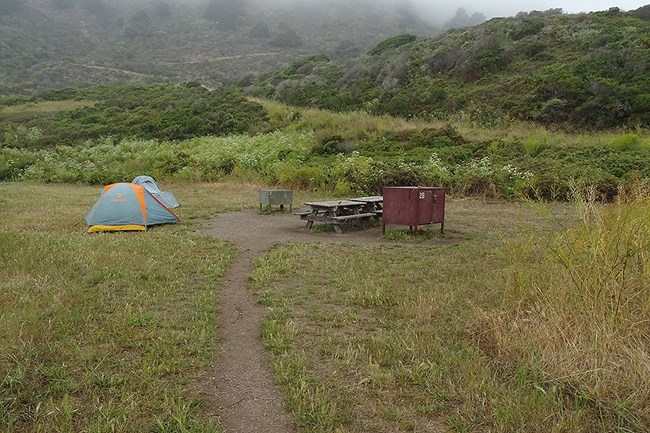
[
  {"x": 442, "y": 10},
  {"x": 445, "y": 9}
]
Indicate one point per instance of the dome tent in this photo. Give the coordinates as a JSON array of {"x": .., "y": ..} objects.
[
  {"x": 150, "y": 184},
  {"x": 125, "y": 206}
]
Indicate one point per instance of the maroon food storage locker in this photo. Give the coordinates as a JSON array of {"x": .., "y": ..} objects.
[{"x": 413, "y": 206}]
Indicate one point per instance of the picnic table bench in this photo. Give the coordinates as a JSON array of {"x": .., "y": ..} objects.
[{"x": 334, "y": 212}]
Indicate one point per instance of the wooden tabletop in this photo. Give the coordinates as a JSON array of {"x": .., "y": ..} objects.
[
  {"x": 369, "y": 199},
  {"x": 334, "y": 203}
]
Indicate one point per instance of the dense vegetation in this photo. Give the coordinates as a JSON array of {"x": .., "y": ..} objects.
[
  {"x": 169, "y": 132},
  {"x": 163, "y": 112},
  {"x": 576, "y": 71}
]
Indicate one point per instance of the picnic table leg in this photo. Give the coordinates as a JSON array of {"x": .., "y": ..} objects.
[
  {"x": 337, "y": 228},
  {"x": 310, "y": 222}
]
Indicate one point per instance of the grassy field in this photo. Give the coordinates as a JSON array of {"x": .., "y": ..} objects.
[
  {"x": 105, "y": 332},
  {"x": 449, "y": 338},
  {"x": 476, "y": 331}
]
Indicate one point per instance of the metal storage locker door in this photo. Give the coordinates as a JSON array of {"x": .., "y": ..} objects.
[
  {"x": 439, "y": 205},
  {"x": 399, "y": 206},
  {"x": 425, "y": 206}
]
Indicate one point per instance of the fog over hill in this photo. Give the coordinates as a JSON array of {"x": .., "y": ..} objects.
[
  {"x": 440, "y": 11},
  {"x": 57, "y": 43}
]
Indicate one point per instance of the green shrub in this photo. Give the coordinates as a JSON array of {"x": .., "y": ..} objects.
[
  {"x": 392, "y": 42},
  {"x": 301, "y": 176},
  {"x": 342, "y": 189},
  {"x": 362, "y": 173},
  {"x": 532, "y": 146},
  {"x": 626, "y": 142}
]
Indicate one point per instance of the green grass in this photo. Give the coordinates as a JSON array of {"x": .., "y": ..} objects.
[
  {"x": 104, "y": 332},
  {"x": 423, "y": 234},
  {"x": 108, "y": 332},
  {"x": 359, "y": 124},
  {"x": 44, "y": 107},
  {"x": 388, "y": 337}
]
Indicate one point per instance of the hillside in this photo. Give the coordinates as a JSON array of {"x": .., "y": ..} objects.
[
  {"x": 575, "y": 71},
  {"x": 70, "y": 43}
]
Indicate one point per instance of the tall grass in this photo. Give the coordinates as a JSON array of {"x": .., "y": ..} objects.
[
  {"x": 581, "y": 315},
  {"x": 361, "y": 124}
]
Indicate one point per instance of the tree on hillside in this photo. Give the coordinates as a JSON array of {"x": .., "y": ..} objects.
[
  {"x": 226, "y": 13},
  {"x": 463, "y": 19},
  {"x": 643, "y": 12},
  {"x": 8, "y": 7}
]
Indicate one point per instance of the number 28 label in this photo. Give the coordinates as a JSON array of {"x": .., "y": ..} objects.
[{"x": 421, "y": 196}]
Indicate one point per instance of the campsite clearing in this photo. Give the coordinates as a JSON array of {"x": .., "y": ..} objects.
[{"x": 115, "y": 330}]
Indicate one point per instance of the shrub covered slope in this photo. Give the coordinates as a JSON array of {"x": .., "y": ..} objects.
[
  {"x": 189, "y": 133},
  {"x": 165, "y": 112},
  {"x": 587, "y": 71},
  {"x": 59, "y": 43}
]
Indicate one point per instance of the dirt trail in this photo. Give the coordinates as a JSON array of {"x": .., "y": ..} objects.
[
  {"x": 108, "y": 68},
  {"x": 222, "y": 58},
  {"x": 240, "y": 387}
]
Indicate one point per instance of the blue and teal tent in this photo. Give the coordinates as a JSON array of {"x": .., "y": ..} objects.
[
  {"x": 125, "y": 206},
  {"x": 167, "y": 198}
]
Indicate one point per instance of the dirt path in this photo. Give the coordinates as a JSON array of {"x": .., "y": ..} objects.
[
  {"x": 240, "y": 387},
  {"x": 222, "y": 58},
  {"x": 108, "y": 68}
]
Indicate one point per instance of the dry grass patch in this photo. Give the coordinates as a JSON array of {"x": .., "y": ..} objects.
[{"x": 580, "y": 313}]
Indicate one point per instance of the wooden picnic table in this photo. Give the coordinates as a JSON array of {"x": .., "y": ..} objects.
[
  {"x": 335, "y": 212},
  {"x": 373, "y": 203}
]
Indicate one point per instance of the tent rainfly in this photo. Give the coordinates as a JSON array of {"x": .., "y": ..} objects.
[
  {"x": 125, "y": 206},
  {"x": 150, "y": 184}
]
